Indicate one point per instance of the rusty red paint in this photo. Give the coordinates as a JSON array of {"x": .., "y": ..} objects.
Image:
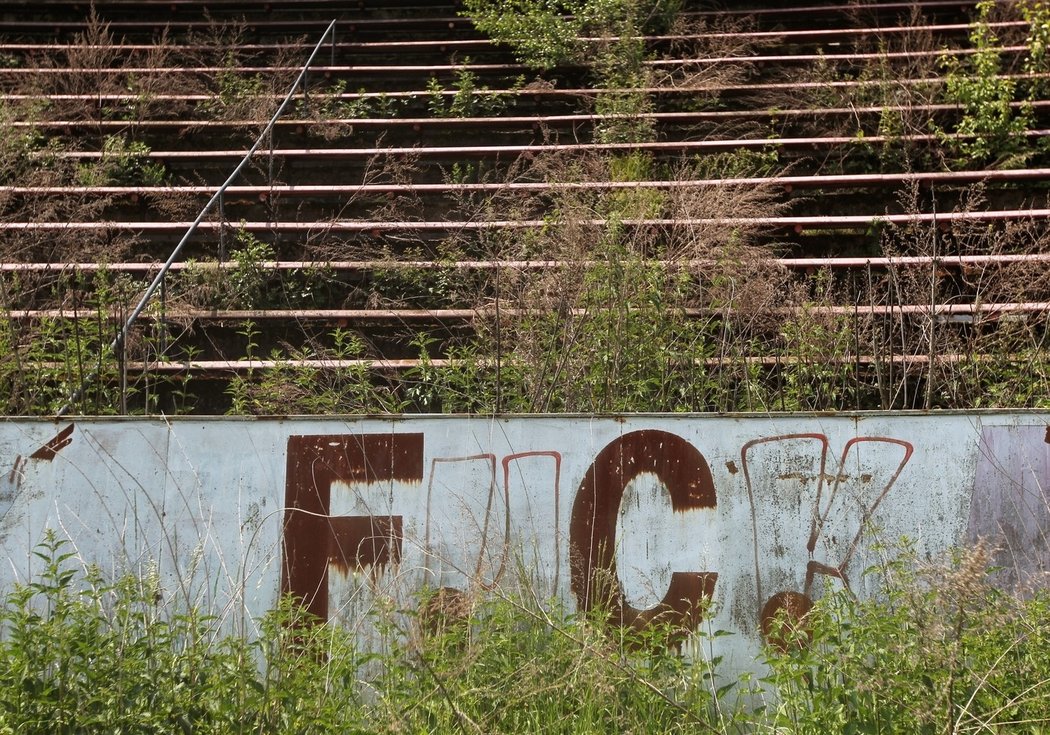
[
  {"x": 365, "y": 542},
  {"x": 751, "y": 493},
  {"x": 820, "y": 520},
  {"x": 796, "y": 603},
  {"x": 15, "y": 475},
  {"x": 312, "y": 538},
  {"x": 490, "y": 460},
  {"x": 592, "y": 531},
  {"x": 556, "y": 456},
  {"x": 447, "y": 608},
  {"x": 784, "y": 620},
  {"x": 50, "y": 450}
]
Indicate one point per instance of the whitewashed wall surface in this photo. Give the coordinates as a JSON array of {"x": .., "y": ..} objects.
[{"x": 753, "y": 513}]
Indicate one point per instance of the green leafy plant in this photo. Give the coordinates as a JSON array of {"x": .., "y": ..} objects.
[
  {"x": 819, "y": 373},
  {"x": 470, "y": 99},
  {"x": 991, "y": 127},
  {"x": 940, "y": 651},
  {"x": 346, "y": 386},
  {"x": 122, "y": 162},
  {"x": 79, "y": 654}
]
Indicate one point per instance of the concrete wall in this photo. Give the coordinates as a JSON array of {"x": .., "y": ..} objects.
[{"x": 754, "y": 512}]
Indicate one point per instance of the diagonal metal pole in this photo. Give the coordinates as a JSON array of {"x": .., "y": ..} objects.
[{"x": 119, "y": 340}]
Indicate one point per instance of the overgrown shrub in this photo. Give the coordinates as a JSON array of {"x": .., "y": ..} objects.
[{"x": 939, "y": 652}]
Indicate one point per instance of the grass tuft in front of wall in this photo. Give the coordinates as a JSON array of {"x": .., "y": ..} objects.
[{"x": 940, "y": 650}]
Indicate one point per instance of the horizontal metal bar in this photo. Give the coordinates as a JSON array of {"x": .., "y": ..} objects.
[
  {"x": 481, "y": 151},
  {"x": 539, "y": 92},
  {"x": 362, "y": 266},
  {"x": 447, "y": 315},
  {"x": 807, "y": 264},
  {"x": 843, "y": 222},
  {"x": 786, "y": 11},
  {"x": 874, "y": 32},
  {"x": 219, "y": 367},
  {"x": 510, "y": 120},
  {"x": 484, "y": 68},
  {"x": 318, "y": 190}
]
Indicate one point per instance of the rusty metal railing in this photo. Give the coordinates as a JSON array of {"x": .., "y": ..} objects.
[{"x": 118, "y": 342}]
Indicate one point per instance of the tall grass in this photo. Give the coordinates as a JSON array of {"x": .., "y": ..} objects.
[{"x": 940, "y": 652}]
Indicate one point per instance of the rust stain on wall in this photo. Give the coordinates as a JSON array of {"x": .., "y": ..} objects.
[
  {"x": 784, "y": 619},
  {"x": 15, "y": 475},
  {"x": 359, "y": 543},
  {"x": 312, "y": 538},
  {"x": 50, "y": 450},
  {"x": 592, "y": 530}
]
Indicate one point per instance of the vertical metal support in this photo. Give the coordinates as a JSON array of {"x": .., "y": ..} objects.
[
  {"x": 162, "y": 323},
  {"x": 122, "y": 362},
  {"x": 932, "y": 356},
  {"x": 331, "y": 60},
  {"x": 222, "y": 228},
  {"x": 269, "y": 170}
]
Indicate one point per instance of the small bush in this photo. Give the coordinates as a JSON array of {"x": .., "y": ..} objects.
[{"x": 940, "y": 652}]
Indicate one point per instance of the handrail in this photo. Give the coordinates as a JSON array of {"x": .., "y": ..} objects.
[{"x": 122, "y": 336}]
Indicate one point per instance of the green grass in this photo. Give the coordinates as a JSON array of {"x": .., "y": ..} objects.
[{"x": 940, "y": 652}]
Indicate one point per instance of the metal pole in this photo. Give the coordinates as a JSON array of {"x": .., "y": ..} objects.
[{"x": 222, "y": 227}]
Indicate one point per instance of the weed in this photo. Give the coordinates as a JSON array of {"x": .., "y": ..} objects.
[
  {"x": 347, "y": 386},
  {"x": 940, "y": 651},
  {"x": 470, "y": 98},
  {"x": 990, "y": 126},
  {"x": 820, "y": 372},
  {"x": 83, "y": 654},
  {"x": 122, "y": 163}
]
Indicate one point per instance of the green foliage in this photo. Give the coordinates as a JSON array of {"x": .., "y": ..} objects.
[
  {"x": 248, "y": 281},
  {"x": 546, "y": 33},
  {"x": 541, "y": 32},
  {"x": 991, "y": 126},
  {"x": 820, "y": 370},
  {"x": 503, "y": 665},
  {"x": 621, "y": 341},
  {"x": 607, "y": 35},
  {"x": 291, "y": 388},
  {"x": 440, "y": 285},
  {"x": 940, "y": 652},
  {"x": 80, "y": 654},
  {"x": 330, "y": 104},
  {"x": 471, "y": 99},
  {"x": 741, "y": 163},
  {"x": 1037, "y": 14},
  {"x": 21, "y": 149},
  {"x": 122, "y": 163},
  {"x": 44, "y": 360},
  {"x": 233, "y": 88}
]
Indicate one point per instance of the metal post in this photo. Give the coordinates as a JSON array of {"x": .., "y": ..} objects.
[
  {"x": 269, "y": 170},
  {"x": 162, "y": 337},
  {"x": 222, "y": 227}
]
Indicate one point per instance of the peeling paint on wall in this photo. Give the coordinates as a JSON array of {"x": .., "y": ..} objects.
[{"x": 714, "y": 521}]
